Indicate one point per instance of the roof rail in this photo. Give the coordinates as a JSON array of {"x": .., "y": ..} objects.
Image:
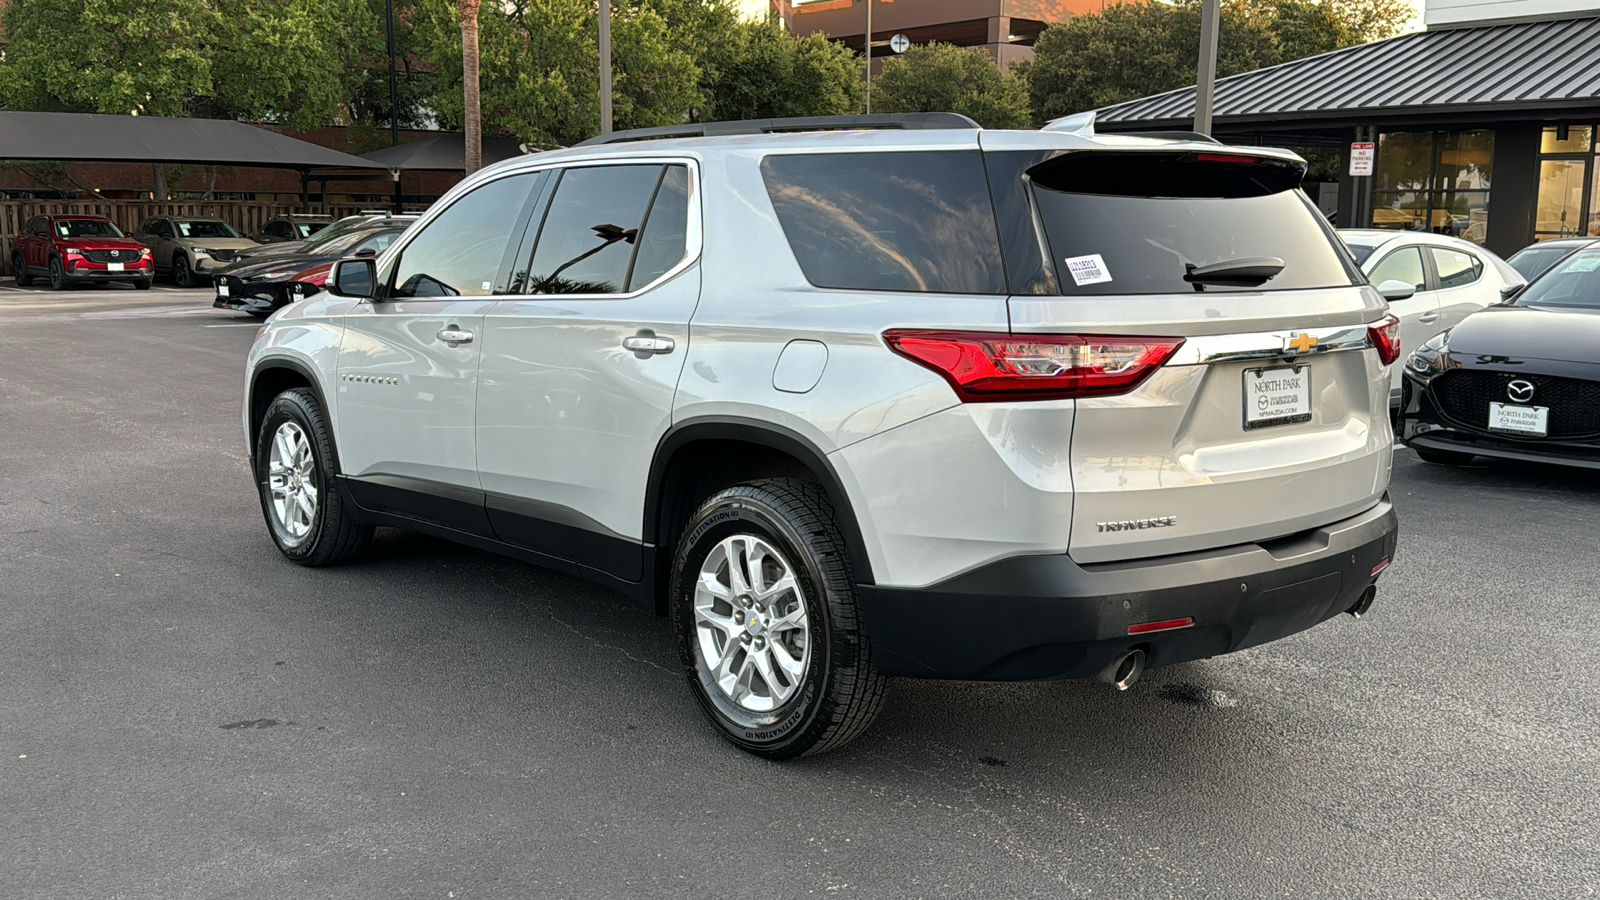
[{"x": 885, "y": 121}]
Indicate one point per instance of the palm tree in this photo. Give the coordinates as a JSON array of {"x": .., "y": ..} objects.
[{"x": 472, "y": 120}]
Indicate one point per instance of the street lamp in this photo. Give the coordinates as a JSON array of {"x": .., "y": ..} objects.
[{"x": 605, "y": 66}]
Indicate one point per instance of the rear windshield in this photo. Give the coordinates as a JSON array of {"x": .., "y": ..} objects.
[
  {"x": 205, "y": 229},
  {"x": 1530, "y": 261},
  {"x": 915, "y": 221},
  {"x": 78, "y": 228},
  {"x": 1104, "y": 243},
  {"x": 1573, "y": 282}
]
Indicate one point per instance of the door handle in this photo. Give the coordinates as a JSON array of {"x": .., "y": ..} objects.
[
  {"x": 647, "y": 342},
  {"x": 454, "y": 336},
  {"x": 1428, "y": 318}
]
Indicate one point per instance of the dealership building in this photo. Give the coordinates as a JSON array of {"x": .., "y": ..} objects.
[{"x": 1484, "y": 126}]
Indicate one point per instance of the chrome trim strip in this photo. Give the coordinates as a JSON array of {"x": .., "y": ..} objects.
[{"x": 1214, "y": 348}]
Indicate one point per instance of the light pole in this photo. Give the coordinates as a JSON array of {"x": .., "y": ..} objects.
[
  {"x": 394, "y": 97},
  {"x": 605, "y": 66},
  {"x": 866, "y": 46},
  {"x": 1205, "y": 85}
]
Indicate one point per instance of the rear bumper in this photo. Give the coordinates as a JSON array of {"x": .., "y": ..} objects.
[{"x": 1037, "y": 618}]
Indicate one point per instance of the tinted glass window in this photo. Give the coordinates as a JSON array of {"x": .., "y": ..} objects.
[
  {"x": 1405, "y": 265},
  {"x": 1533, "y": 260},
  {"x": 1574, "y": 281},
  {"x": 665, "y": 238},
  {"x": 1362, "y": 252},
  {"x": 205, "y": 229},
  {"x": 591, "y": 230},
  {"x": 1145, "y": 245},
  {"x": 1456, "y": 269},
  {"x": 889, "y": 221},
  {"x": 377, "y": 243},
  {"x": 71, "y": 228},
  {"x": 307, "y": 229},
  {"x": 459, "y": 253}
]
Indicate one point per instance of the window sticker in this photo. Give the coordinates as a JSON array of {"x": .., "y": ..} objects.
[
  {"x": 1089, "y": 269},
  {"x": 183, "y": 228},
  {"x": 63, "y": 229},
  {"x": 1583, "y": 264}
]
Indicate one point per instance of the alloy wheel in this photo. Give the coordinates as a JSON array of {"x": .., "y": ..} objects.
[
  {"x": 291, "y": 480},
  {"x": 751, "y": 624}
]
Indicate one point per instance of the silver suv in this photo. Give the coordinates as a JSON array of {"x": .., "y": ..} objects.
[{"x": 906, "y": 398}]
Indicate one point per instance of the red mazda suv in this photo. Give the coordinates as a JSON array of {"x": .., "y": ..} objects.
[{"x": 67, "y": 249}]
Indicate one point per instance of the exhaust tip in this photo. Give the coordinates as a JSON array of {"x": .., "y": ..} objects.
[
  {"x": 1124, "y": 670},
  {"x": 1365, "y": 603}
]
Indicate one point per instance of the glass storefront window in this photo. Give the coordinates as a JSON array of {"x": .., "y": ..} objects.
[
  {"x": 1579, "y": 139},
  {"x": 1434, "y": 181},
  {"x": 1561, "y": 188}
]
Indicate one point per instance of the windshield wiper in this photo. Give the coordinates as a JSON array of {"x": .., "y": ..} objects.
[{"x": 1249, "y": 271}]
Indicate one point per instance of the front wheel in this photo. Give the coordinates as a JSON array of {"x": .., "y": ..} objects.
[
  {"x": 182, "y": 275},
  {"x": 295, "y": 473},
  {"x": 769, "y": 631},
  {"x": 58, "y": 276}
]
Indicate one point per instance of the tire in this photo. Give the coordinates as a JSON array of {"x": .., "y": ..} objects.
[
  {"x": 182, "y": 275},
  {"x": 328, "y": 535},
  {"x": 143, "y": 285},
  {"x": 20, "y": 271},
  {"x": 832, "y": 692},
  {"x": 58, "y": 276},
  {"x": 1443, "y": 457}
]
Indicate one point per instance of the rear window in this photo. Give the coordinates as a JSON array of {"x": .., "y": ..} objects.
[
  {"x": 1105, "y": 238},
  {"x": 917, "y": 221}
]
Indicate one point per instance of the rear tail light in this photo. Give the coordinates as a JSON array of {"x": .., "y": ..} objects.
[
  {"x": 1386, "y": 337},
  {"x": 986, "y": 367}
]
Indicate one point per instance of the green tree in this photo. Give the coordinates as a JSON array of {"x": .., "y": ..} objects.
[
  {"x": 762, "y": 71},
  {"x": 944, "y": 78},
  {"x": 1133, "y": 50}
]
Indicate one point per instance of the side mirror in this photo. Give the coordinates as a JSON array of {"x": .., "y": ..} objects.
[
  {"x": 356, "y": 278},
  {"x": 1395, "y": 289},
  {"x": 1510, "y": 291}
]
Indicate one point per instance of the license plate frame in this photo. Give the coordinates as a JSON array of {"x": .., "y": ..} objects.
[
  {"x": 222, "y": 289},
  {"x": 115, "y": 267},
  {"x": 1540, "y": 418},
  {"x": 1260, "y": 403}
]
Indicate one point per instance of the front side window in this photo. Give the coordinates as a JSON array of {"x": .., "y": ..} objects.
[
  {"x": 590, "y": 240},
  {"x": 1456, "y": 268},
  {"x": 913, "y": 221},
  {"x": 459, "y": 253},
  {"x": 1405, "y": 265}
]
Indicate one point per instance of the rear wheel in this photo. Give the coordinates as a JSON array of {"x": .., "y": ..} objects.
[
  {"x": 769, "y": 633},
  {"x": 20, "y": 271},
  {"x": 182, "y": 275},
  {"x": 58, "y": 276},
  {"x": 295, "y": 474},
  {"x": 1443, "y": 457}
]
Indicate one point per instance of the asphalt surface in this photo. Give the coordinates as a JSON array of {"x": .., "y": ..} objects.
[{"x": 183, "y": 713}]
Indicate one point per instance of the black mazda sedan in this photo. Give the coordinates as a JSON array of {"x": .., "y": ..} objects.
[{"x": 1519, "y": 380}]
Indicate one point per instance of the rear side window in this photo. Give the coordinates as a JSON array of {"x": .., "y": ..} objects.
[
  {"x": 917, "y": 221},
  {"x": 1404, "y": 264},
  {"x": 591, "y": 236},
  {"x": 1106, "y": 239},
  {"x": 1456, "y": 268}
]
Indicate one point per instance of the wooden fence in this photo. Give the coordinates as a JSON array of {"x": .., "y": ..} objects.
[{"x": 246, "y": 216}]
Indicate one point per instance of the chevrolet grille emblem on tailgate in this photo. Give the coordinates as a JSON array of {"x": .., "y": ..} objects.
[{"x": 1300, "y": 343}]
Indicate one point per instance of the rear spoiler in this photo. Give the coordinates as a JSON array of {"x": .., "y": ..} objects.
[{"x": 1083, "y": 123}]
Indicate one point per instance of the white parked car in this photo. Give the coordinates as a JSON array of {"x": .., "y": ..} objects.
[{"x": 1452, "y": 279}]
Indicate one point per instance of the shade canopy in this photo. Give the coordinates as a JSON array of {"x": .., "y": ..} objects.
[
  {"x": 442, "y": 153},
  {"x": 154, "y": 139},
  {"x": 1486, "y": 70}
]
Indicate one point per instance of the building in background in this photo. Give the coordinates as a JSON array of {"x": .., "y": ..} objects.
[
  {"x": 1485, "y": 125},
  {"x": 1006, "y": 28}
]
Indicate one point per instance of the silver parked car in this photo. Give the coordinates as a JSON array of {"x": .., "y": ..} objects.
[
  {"x": 1431, "y": 281},
  {"x": 921, "y": 400},
  {"x": 190, "y": 249}
]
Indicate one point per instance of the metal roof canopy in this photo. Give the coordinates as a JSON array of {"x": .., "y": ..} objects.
[
  {"x": 442, "y": 153},
  {"x": 1487, "y": 72},
  {"x": 154, "y": 139}
]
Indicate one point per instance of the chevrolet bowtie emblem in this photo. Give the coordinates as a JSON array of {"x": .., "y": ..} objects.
[{"x": 1300, "y": 343}]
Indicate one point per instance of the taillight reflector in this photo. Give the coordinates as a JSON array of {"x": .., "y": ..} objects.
[
  {"x": 1386, "y": 338},
  {"x": 986, "y": 367},
  {"x": 1379, "y": 568},
  {"x": 1164, "y": 625}
]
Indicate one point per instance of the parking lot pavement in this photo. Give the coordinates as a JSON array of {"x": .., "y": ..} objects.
[{"x": 183, "y": 713}]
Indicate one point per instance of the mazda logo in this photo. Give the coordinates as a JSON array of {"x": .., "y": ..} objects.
[{"x": 1520, "y": 391}]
